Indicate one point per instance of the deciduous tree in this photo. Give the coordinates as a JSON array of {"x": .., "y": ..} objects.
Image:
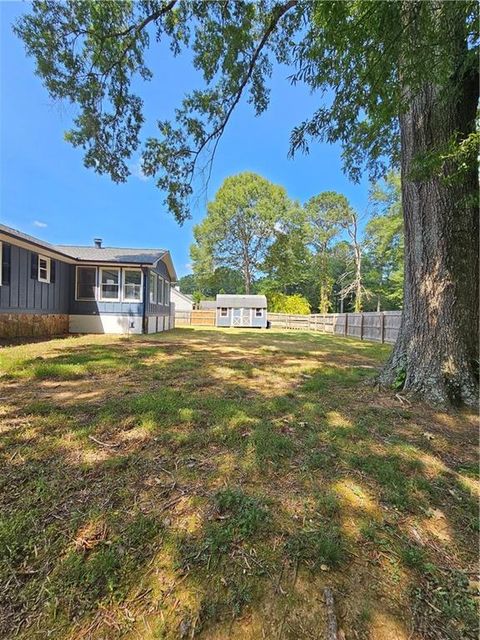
[
  {"x": 384, "y": 243},
  {"x": 403, "y": 81},
  {"x": 239, "y": 226}
]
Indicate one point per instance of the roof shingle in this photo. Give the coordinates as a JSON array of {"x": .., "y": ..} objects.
[
  {"x": 113, "y": 254},
  {"x": 241, "y": 301}
]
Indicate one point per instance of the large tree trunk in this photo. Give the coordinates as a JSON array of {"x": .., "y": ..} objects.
[{"x": 436, "y": 354}]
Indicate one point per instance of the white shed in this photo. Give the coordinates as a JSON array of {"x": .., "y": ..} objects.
[{"x": 241, "y": 311}]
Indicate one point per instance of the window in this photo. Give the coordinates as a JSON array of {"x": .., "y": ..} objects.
[
  {"x": 109, "y": 284},
  {"x": 153, "y": 287},
  {"x": 160, "y": 290},
  {"x": 223, "y": 312},
  {"x": 166, "y": 299},
  {"x": 5, "y": 255},
  {"x": 132, "y": 285},
  {"x": 86, "y": 283},
  {"x": 258, "y": 313},
  {"x": 43, "y": 269}
]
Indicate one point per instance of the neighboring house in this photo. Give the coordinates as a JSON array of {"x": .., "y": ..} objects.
[
  {"x": 51, "y": 289},
  {"x": 241, "y": 311},
  {"x": 206, "y": 305},
  {"x": 182, "y": 301}
]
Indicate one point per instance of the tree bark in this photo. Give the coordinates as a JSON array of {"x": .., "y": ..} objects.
[
  {"x": 436, "y": 353},
  {"x": 246, "y": 276}
]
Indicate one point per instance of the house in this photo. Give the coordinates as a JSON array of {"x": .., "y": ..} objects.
[
  {"x": 182, "y": 301},
  {"x": 51, "y": 289},
  {"x": 241, "y": 311},
  {"x": 207, "y": 305}
]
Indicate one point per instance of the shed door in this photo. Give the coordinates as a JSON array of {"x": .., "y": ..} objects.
[{"x": 240, "y": 317}]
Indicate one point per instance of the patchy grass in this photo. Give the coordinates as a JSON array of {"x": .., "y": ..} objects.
[{"x": 209, "y": 483}]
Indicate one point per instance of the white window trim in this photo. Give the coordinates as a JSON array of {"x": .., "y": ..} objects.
[
  {"x": 258, "y": 315},
  {"x": 223, "y": 315},
  {"x": 101, "y": 298},
  {"x": 124, "y": 298},
  {"x": 95, "y": 288},
  {"x": 48, "y": 262},
  {"x": 152, "y": 279}
]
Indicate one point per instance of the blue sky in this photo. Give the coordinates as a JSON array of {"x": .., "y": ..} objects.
[{"x": 46, "y": 191}]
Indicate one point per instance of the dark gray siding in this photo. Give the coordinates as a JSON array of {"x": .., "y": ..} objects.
[
  {"x": 153, "y": 309},
  {"x": 25, "y": 294}
]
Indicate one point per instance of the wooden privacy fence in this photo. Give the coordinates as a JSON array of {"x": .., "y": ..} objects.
[
  {"x": 206, "y": 318},
  {"x": 379, "y": 326}
]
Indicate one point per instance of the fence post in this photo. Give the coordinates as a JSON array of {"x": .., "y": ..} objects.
[
  {"x": 346, "y": 324},
  {"x": 361, "y": 325},
  {"x": 382, "y": 325}
]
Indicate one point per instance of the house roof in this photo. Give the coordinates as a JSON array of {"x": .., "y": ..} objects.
[
  {"x": 15, "y": 233},
  {"x": 113, "y": 254},
  {"x": 99, "y": 254},
  {"x": 239, "y": 301},
  {"x": 177, "y": 292},
  {"x": 207, "y": 304}
]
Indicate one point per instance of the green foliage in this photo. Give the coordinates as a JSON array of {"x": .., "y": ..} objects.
[
  {"x": 239, "y": 518},
  {"x": 397, "y": 478},
  {"x": 413, "y": 556},
  {"x": 188, "y": 284},
  {"x": 239, "y": 227},
  {"x": 400, "y": 378},
  {"x": 452, "y": 605},
  {"x": 322, "y": 545},
  {"x": 271, "y": 445},
  {"x": 222, "y": 280},
  {"x": 281, "y": 303},
  {"x": 247, "y": 515},
  {"x": 327, "y": 504},
  {"x": 327, "y": 215},
  {"x": 384, "y": 243},
  {"x": 93, "y": 55},
  {"x": 288, "y": 262}
]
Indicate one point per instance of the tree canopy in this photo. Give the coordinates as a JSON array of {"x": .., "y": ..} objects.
[
  {"x": 239, "y": 226},
  {"x": 93, "y": 53},
  {"x": 314, "y": 252}
]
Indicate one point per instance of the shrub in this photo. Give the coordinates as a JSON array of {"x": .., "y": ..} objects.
[{"x": 281, "y": 303}]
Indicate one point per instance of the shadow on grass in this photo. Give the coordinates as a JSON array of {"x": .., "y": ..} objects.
[{"x": 177, "y": 503}]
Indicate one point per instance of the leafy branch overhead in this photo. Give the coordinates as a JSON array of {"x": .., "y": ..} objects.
[{"x": 92, "y": 53}]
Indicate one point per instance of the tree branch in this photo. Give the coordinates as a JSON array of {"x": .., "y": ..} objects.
[{"x": 218, "y": 131}]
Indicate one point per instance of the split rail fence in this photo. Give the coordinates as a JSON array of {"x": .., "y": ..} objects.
[{"x": 378, "y": 326}]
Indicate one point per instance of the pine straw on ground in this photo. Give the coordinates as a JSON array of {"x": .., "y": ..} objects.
[{"x": 210, "y": 483}]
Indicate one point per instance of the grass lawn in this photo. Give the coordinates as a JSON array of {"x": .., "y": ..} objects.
[{"x": 210, "y": 483}]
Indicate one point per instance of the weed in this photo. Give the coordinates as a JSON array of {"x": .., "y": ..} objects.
[
  {"x": 327, "y": 504},
  {"x": 413, "y": 557},
  {"x": 322, "y": 545},
  {"x": 394, "y": 475},
  {"x": 240, "y": 518},
  {"x": 452, "y": 607},
  {"x": 270, "y": 445},
  {"x": 248, "y": 515},
  {"x": 88, "y": 528}
]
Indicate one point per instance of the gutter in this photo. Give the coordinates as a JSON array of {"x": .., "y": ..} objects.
[{"x": 144, "y": 308}]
